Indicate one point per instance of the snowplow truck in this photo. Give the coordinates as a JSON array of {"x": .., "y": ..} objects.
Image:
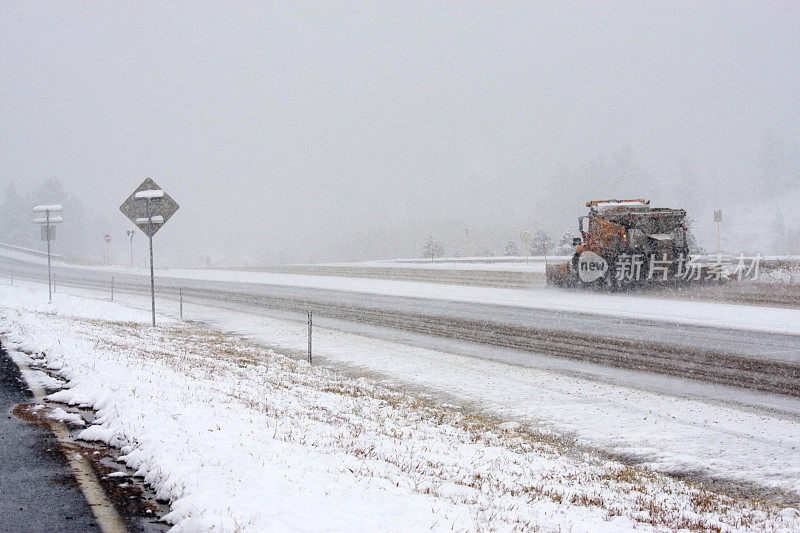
[{"x": 625, "y": 243}]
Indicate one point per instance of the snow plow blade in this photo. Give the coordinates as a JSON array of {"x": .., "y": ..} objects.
[{"x": 560, "y": 275}]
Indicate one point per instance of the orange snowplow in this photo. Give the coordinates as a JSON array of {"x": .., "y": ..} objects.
[{"x": 624, "y": 243}]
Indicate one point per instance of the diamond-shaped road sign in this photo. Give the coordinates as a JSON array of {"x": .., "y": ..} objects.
[{"x": 162, "y": 207}]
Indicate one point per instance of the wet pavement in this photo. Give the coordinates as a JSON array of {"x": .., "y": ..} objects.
[{"x": 38, "y": 491}]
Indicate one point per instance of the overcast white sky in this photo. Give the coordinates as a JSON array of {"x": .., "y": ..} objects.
[{"x": 338, "y": 128}]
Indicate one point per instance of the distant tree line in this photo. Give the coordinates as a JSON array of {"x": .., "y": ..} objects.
[
  {"x": 76, "y": 239},
  {"x": 541, "y": 243}
]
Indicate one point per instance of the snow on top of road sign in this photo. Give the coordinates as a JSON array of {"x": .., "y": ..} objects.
[
  {"x": 154, "y": 220},
  {"x": 44, "y": 208},
  {"x": 53, "y": 220},
  {"x": 150, "y": 193}
]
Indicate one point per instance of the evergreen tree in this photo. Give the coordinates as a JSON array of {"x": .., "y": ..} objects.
[
  {"x": 16, "y": 219},
  {"x": 433, "y": 248},
  {"x": 565, "y": 246},
  {"x": 540, "y": 242}
]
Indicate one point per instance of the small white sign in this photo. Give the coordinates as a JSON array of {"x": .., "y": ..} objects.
[
  {"x": 591, "y": 267},
  {"x": 154, "y": 220},
  {"x": 51, "y": 220}
]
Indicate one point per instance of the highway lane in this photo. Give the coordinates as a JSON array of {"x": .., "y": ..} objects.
[
  {"x": 755, "y": 360},
  {"x": 777, "y": 295}
]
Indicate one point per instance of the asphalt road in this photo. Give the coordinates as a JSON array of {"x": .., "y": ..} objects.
[
  {"x": 760, "y": 361},
  {"x": 37, "y": 489}
]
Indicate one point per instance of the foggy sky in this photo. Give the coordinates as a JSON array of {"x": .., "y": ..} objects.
[{"x": 331, "y": 131}]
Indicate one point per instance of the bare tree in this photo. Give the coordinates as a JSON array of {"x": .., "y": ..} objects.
[{"x": 433, "y": 248}]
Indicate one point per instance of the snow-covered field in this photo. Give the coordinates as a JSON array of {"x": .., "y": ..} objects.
[{"x": 239, "y": 437}]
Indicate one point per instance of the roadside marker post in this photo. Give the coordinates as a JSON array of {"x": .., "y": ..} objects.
[
  {"x": 149, "y": 207},
  {"x": 309, "y": 337},
  {"x": 181, "y": 301},
  {"x": 112, "y": 288},
  {"x": 52, "y": 215},
  {"x": 525, "y": 236}
]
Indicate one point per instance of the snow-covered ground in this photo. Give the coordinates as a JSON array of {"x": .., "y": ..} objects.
[
  {"x": 237, "y": 436},
  {"x": 785, "y": 274}
]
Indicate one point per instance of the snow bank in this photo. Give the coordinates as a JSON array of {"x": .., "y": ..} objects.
[
  {"x": 784, "y": 274},
  {"x": 61, "y": 415}
]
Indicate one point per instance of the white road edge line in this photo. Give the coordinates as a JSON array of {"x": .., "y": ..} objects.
[{"x": 104, "y": 511}]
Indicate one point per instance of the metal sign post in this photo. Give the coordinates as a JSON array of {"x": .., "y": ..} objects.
[
  {"x": 52, "y": 215},
  {"x": 149, "y": 207},
  {"x": 718, "y": 220}
]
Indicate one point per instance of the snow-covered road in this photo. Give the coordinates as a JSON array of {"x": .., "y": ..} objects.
[{"x": 621, "y": 306}]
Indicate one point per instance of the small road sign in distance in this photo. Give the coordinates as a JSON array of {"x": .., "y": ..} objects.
[
  {"x": 107, "y": 238},
  {"x": 47, "y": 216}
]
